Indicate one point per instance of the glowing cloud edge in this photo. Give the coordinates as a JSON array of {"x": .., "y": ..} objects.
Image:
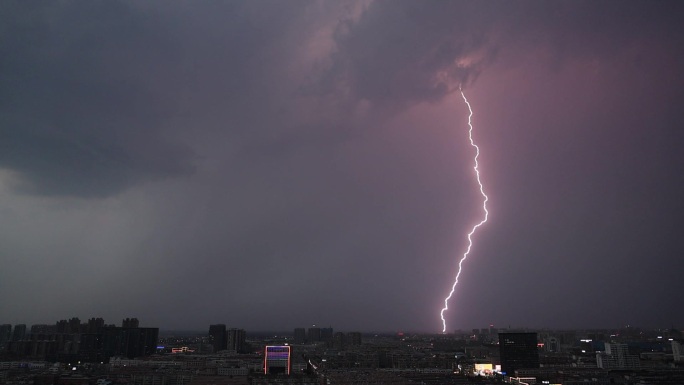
[{"x": 475, "y": 227}]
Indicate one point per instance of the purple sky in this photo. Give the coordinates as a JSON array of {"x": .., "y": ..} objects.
[{"x": 271, "y": 165}]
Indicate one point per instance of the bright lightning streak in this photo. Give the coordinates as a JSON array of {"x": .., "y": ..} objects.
[{"x": 475, "y": 227}]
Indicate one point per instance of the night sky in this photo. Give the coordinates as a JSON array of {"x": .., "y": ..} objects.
[{"x": 278, "y": 164}]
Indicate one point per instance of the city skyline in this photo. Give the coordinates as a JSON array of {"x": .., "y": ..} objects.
[
  {"x": 221, "y": 338},
  {"x": 270, "y": 165},
  {"x": 95, "y": 352}
]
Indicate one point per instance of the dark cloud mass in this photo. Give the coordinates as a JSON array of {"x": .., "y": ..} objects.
[
  {"x": 405, "y": 52},
  {"x": 271, "y": 165},
  {"x": 78, "y": 114}
]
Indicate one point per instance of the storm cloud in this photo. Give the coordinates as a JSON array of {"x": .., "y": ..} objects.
[{"x": 271, "y": 165}]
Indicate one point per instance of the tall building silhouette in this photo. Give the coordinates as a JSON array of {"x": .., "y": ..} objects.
[
  {"x": 218, "y": 336},
  {"x": 74, "y": 325},
  {"x": 677, "y": 351},
  {"x": 326, "y": 334},
  {"x": 73, "y": 341},
  {"x": 616, "y": 356},
  {"x": 19, "y": 332},
  {"x": 313, "y": 335},
  {"x": 129, "y": 342},
  {"x": 339, "y": 340},
  {"x": 130, "y": 323},
  {"x": 95, "y": 324},
  {"x": 5, "y": 333},
  {"x": 300, "y": 335},
  {"x": 236, "y": 340},
  {"x": 41, "y": 329},
  {"x": 518, "y": 351},
  {"x": 354, "y": 338}
]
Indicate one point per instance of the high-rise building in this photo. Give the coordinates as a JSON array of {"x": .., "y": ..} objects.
[
  {"x": 339, "y": 340},
  {"x": 326, "y": 334},
  {"x": 677, "y": 351},
  {"x": 130, "y": 323},
  {"x": 95, "y": 324},
  {"x": 236, "y": 340},
  {"x": 277, "y": 360},
  {"x": 62, "y": 327},
  {"x": 129, "y": 342},
  {"x": 617, "y": 356},
  {"x": 218, "y": 336},
  {"x": 300, "y": 335},
  {"x": 518, "y": 351},
  {"x": 74, "y": 326},
  {"x": 71, "y": 341},
  {"x": 552, "y": 344},
  {"x": 354, "y": 338},
  {"x": 19, "y": 332},
  {"x": 41, "y": 329},
  {"x": 314, "y": 334},
  {"x": 5, "y": 333}
]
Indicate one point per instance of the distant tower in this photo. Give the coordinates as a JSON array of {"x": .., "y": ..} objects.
[
  {"x": 129, "y": 323},
  {"x": 218, "y": 336},
  {"x": 74, "y": 326},
  {"x": 314, "y": 334},
  {"x": 339, "y": 340},
  {"x": 326, "y": 334},
  {"x": 552, "y": 344},
  {"x": 128, "y": 342},
  {"x": 354, "y": 338},
  {"x": 277, "y": 360},
  {"x": 617, "y": 356},
  {"x": 62, "y": 327},
  {"x": 19, "y": 332},
  {"x": 5, "y": 333},
  {"x": 39, "y": 329},
  {"x": 300, "y": 335},
  {"x": 95, "y": 325},
  {"x": 236, "y": 340},
  {"x": 518, "y": 351},
  {"x": 677, "y": 351}
]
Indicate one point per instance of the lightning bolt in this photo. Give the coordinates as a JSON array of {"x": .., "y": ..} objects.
[{"x": 476, "y": 226}]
